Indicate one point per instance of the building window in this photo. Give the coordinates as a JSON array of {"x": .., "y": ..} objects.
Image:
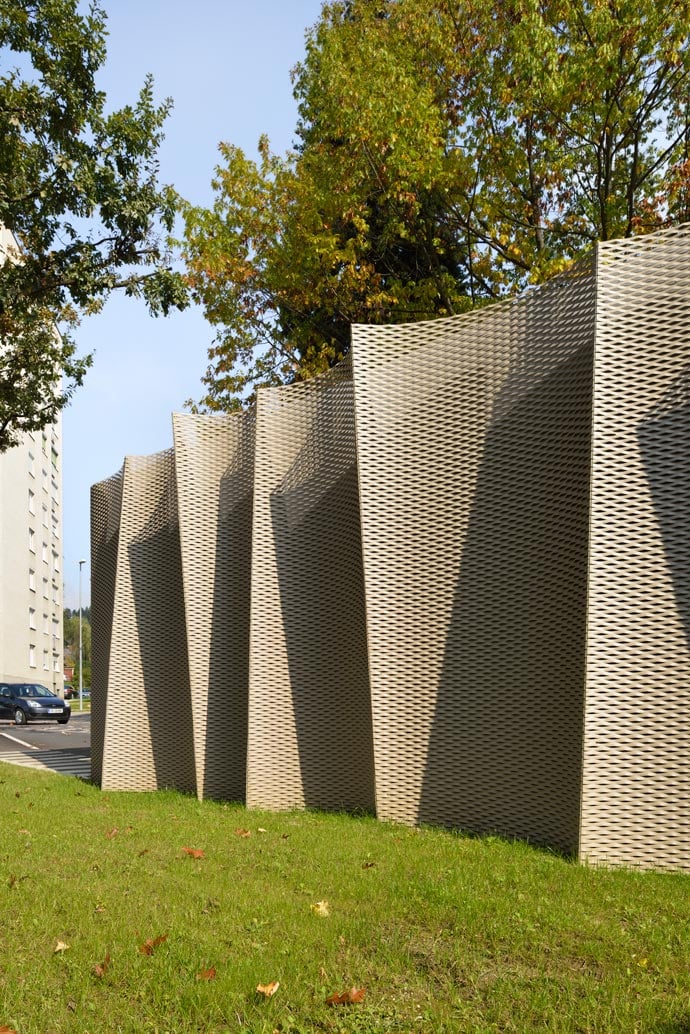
[
  {"x": 56, "y": 628},
  {"x": 54, "y": 457},
  {"x": 32, "y": 540},
  {"x": 46, "y": 624},
  {"x": 45, "y": 516},
  {"x": 55, "y": 594},
  {"x": 32, "y": 581},
  {"x": 56, "y": 561},
  {"x": 55, "y": 527},
  {"x": 32, "y": 656},
  {"x": 56, "y": 662},
  {"x": 32, "y": 617},
  {"x": 46, "y": 666},
  {"x": 45, "y": 588},
  {"x": 32, "y": 502},
  {"x": 44, "y": 552},
  {"x": 31, "y": 465}
]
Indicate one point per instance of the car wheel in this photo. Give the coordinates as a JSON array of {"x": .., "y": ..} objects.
[
  {"x": 19, "y": 717},
  {"x": 62, "y": 721}
]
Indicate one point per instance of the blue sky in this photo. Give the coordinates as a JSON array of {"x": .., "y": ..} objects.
[{"x": 226, "y": 64}]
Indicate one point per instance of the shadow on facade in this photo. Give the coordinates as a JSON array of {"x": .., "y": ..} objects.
[
  {"x": 505, "y": 748},
  {"x": 225, "y": 768},
  {"x": 664, "y": 438},
  {"x": 156, "y": 575},
  {"x": 317, "y": 539}
]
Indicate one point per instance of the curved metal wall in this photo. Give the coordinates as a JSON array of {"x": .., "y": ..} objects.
[
  {"x": 310, "y": 739},
  {"x": 473, "y": 447},
  {"x": 148, "y": 738},
  {"x": 507, "y": 491},
  {"x": 214, "y": 470},
  {"x": 636, "y": 789}
]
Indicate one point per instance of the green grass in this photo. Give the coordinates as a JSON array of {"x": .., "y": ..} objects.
[{"x": 447, "y": 933}]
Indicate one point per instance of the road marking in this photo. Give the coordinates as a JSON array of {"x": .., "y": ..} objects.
[
  {"x": 15, "y": 739},
  {"x": 51, "y": 761}
]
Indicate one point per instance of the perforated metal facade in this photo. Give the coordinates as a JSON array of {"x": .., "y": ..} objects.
[
  {"x": 636, "y": 788},
  {"x": 310, "y": 738},
  {"x": 214, "y": 469},
  {"x": 148, "y": 737},
  {"x": 468, "y": 575},
  {"x": 472, "y": 437}
]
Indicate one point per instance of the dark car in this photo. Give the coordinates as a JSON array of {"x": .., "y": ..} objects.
[
  {"x": 69, "y": 691},
  {"x": 25, "y": 700}
]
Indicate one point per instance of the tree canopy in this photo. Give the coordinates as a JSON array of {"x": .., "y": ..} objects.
[
  {"x": 79, "y": 193},
  {"x": 446, "y": 155}
]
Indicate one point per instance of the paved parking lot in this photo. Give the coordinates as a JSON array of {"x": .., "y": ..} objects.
[{"x": 50, "y": 747}]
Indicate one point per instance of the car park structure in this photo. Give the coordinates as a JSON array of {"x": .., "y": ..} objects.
[{"x": 448, "y": 581}]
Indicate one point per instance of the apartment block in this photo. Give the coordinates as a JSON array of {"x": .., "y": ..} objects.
[{"x": 31, "y": 559}]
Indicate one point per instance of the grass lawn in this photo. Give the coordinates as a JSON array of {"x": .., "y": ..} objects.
[{"x": 446, "y": 933}]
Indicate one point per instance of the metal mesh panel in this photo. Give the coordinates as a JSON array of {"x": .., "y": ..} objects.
[
  {"x": 214, "y": 465},
  {"x": 309, "y": 713},
  {"x": 106, "y": 504},
  {"x": 473, "y": 446},
  {"x": 148, "y": 741},
  {"x": 636, "y": 780}
]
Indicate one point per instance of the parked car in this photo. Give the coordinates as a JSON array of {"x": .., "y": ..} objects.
[
  {"x": 23, "y": 701},
  {"x": 69, "y": 691}
]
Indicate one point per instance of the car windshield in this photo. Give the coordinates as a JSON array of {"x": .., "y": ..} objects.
[{"x": 32, "y": 690}]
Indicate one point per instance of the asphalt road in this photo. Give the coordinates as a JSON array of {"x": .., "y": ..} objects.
[{"x": 47, "y": 745}]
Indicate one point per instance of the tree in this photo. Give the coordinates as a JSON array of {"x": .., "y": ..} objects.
[
  {"x": 447, "y": 155},
  {"x": 79, "y": 193},
  {"x": 71, "y": 643}
]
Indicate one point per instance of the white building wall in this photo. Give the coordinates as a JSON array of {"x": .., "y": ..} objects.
[{"x": 31, "y": 553}]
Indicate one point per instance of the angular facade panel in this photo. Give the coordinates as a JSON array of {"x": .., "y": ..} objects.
[
  {"x": 148, "y": 738},
  {"x": 106, "y": 506},
  {"x": 636, "y": 785},
  {"x": 214, "y": 468},
  {"x": 309, "y": 716},
  {"x": 473, "y": 446}
]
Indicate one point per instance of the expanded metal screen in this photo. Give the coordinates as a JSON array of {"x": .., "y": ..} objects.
[
  {"x": 148, "y": 737},
  {"x": 106, "y": 505},
  {"x": 455, "y": 588},
  {"x": 310, "y": 738},
  {"x": 473, "y": 446},
  {"x": 214, "y": 468},
  {"x": 636, "y": 786}
]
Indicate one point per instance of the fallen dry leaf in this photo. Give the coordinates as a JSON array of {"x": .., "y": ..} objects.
[
  {"x": 112, "y": 833},
  {"x": 142, "y": 853},
  {"x": 284, "y": 836},
  {"x": 261, "y": 830},
  {"x": 351, "y": 997},
  {"x": 321, "y": 908},
  {"x": 99, "y": 970},
  {"x": 99, "y": 908},
  {"x": 26, "y": 832},
  {"x": 147, "y": 948},
  {"x": 369, "y": 865},
  {"x": 268, "y": 989},
  {"x": 242, "y": 833},
  {"x": 60, "y": 947},
  {"x": 207, "y": 974},
  {"x": 7, "y": 1030},
  {"x": 72, "y": 1005},
  {"x": 193, "y": 852}
]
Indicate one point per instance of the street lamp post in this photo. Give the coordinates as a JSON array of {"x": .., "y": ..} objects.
[{"x": 81, "y": 657}]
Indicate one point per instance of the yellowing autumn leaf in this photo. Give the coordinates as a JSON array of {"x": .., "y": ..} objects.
[
  {"x": 193, "y": 852},
  {"x": 207, "y": 974},
  {"x": 242, "y": 833},
  {"x": 149, "y": 945},
  {"x": 99, "y": 970},
  {"x": 351, "y": 997},
  {"x": 60, "y": 947},
  {"x": 321, "y": 908},
  {"x": 268, "y": 990}
]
